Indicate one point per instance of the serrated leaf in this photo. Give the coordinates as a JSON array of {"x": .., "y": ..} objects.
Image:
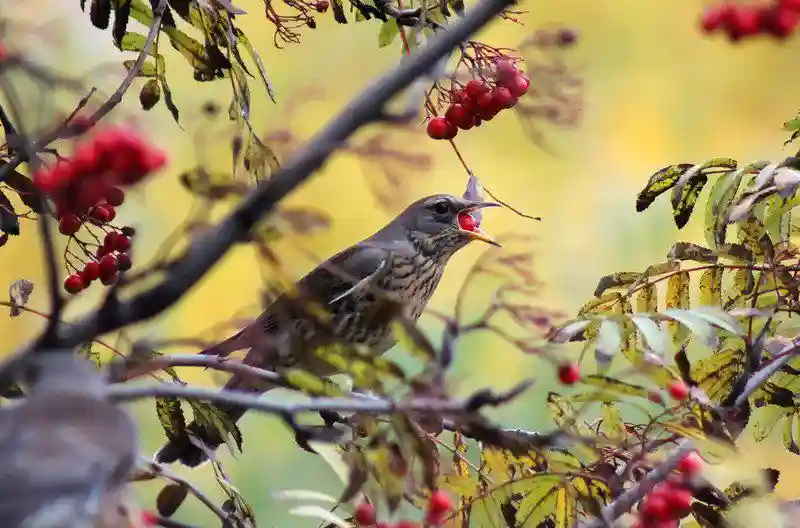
[
  {"x": 659, "y": 183},
  {"x": 318, "y": 512},
  {"x": 720, "y": 200},
  {"x": 608, "y": 341},
  {"x": 539, "y": 502},
  {"x": 311, "y": 384},
  {"x": 710, "y": 287},
  {"x": 655, "y": 338},
  {"x": 615, "y": 386},
  {"x": 388, "y": 33},
  {"x": 243, "y": 40},
  {"x": 616, "y": 280},
  {"x": 682, "y": 207},
  {"x": 565, "y": 514},
  {"x": 790, "y": 434},
  {"x": 561, "y": 411},
  {"x": 170, "y": 415},
  {"x": 647, "y": 299},
  {"x": 214, "y": 421},
  {"x": 613, "y": 426}
]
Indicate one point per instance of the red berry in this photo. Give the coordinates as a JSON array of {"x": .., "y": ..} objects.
[
  {"x": 655, "y": 507},
  {"x": 712, "y": 18},
  {"x": 69, "y": 224},
  {"x": 518, "y": 86},
  {"x": 502, "y": 98},
  {"x": 461, "y": 97},
  {"x": 114, "y": 196},
  {"x": 678, "y": 389},
  {"x": 440, "y": 128},
  {"x": 124, "y": 262},
  {"x": 406, "y": 524},
  {"x": 655, "y": 397},
  {"x": 460, "y": 116},
  {"x": 108, "y": 265},
  {"x": 691, "y": 464},
  {"x": 365, "y": 514},
  {"x": 73, "y": 284},
  {"x": 569, "y": 373},
  {"x": 149, "y": 518},
  {"x": 679, "y": 501},
  {"x": 101, "y": 214},
  {"x": 742, "y": 21},
  {"x": 91, "y": 271},
  {"x": 505, "y": 70},
  {"x": 487, "y": 107},
  {"x": 102, "y": 251},
  {"x": 439, "y": 502},
  {"x": 779, "y": 23},
  {"x": 108, "y": 280},
  {"x": 110, "y": 240},
  {"x": 122, "y": 243},
  {"x": 790, "y": 5},
  {"x": 466, "y": 222},
  {"x": 475, "y": 88}
]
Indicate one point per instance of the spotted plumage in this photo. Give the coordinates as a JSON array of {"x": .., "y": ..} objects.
[{"x": 403, "y": 263}]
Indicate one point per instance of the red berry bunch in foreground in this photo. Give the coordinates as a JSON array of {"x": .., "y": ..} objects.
[
  {"x": 479, "y": 101},
  {"x": 109, "y": 259},
  {"x": 778, "y": 19},
  {"x": 439, "y": 505},
  {"x": 671, "y": 500},
  {"x": 87, "y": 184}
]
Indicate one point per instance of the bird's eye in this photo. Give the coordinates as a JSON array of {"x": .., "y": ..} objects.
[{"x": 441, "y": 207}]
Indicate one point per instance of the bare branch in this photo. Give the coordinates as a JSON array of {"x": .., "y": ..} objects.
[{"x": 213, "y": 362}]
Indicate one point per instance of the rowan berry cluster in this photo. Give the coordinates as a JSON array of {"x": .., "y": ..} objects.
[
  {"x": 668, "y": 502},
  {"x": 87, "y": 188},
  {"x": 480, "y": 101},
  {"x": 439, "y": 505},
  {"x": 778, "y": 19}
]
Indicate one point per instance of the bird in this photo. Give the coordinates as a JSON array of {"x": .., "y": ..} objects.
[
  {"x": 404, "y": 260},
  {"x": 66, "y": 452}
]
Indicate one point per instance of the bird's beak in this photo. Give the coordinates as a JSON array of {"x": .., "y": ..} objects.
[{"x": 477, "y": 233}]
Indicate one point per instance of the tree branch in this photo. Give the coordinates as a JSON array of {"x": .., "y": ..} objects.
[
  {"x": 222, "y": 364},
  {"x": 209, "y": 247},
  {"x": 758, "y": 379},
  {"x": 485, "y": 398}
]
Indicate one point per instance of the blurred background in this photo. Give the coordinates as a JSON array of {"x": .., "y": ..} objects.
[{"x": 657, "y": 92}]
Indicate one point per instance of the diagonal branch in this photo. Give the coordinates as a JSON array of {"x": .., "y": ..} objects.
[
  {"x": 208, "y": 248},
  {"x": 761, "y": 376}
]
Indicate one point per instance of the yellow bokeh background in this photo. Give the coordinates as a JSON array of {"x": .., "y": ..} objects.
[{"x": 656, "y": 92}]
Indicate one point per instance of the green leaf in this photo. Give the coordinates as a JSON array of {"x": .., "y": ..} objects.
[
  {"x": 694, "y": 322},
  {"x": 719, "y": 318},
  {"x": 388, "y": 33},
  {"x": 655, "y": 339},
  {"x": 677, "y": 295},
  {"x": 561, "y": 411},
  {"x": 683, "y": 206},
  {"x": 244, "y": 41},
  {"x": 170, "y": 415},
  {"x": 720, "y": 201},
  {"x": 312, "y": 384},
  {"x": 659, "y": 183},
  {"x": 539, "y": 502},
  {"x": 565, "y": 514},
  {"x": 608, "y": 341},
  {"x": 743, "y": 284},
  {"x": 612, "y": 421},
  {"x": 615, "y": 386},
  {"x": 161, "y": 69},
  {"x": 790, "y": 434},
  {"x": 148, "y": 68},
  {"x": 213, "y": 420},
  {"x": 134, "y": 42},
  {"x": 717, "y": 373},
  {"x": 28, "y": 193},
  {"x": 710, "y": 286},
  {"x": 647, "y": 299}
]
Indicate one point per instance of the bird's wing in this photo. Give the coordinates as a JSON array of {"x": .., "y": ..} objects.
[{"x": 356, "y": 268}]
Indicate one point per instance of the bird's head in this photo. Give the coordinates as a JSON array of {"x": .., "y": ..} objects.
[{"x": 443, "y": 223}]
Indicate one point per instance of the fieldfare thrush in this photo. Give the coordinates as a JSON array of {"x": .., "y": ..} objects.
[{"x": 404, "y": 261}]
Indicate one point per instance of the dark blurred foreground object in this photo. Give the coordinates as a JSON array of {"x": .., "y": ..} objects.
[
  {"x": 65, "y": 452},
  {"x": 405, "y": 260}
]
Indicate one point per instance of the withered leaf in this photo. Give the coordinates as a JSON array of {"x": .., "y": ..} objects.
[
  {"x": 170, "y": 499},
  {"x": 19, "y": 292}
]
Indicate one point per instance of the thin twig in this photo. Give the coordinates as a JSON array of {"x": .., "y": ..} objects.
[{"x": 213, "y": 362}]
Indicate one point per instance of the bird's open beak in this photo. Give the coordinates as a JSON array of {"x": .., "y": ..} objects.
[{"x": 476, "y": 233}]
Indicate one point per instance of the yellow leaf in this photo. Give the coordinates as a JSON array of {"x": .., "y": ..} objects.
[
  {"x": 539, "y": 502},
  {"x": 463, "y": 485},
  {"x": 743, "y": 284},
  {"x": 565, "y": 515},
  {"x": 613, "y": 426},
  {"x": 711, "y": 287},
  {"x": 647, "y": 299},
  {"x": 677, "y": 297}
]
